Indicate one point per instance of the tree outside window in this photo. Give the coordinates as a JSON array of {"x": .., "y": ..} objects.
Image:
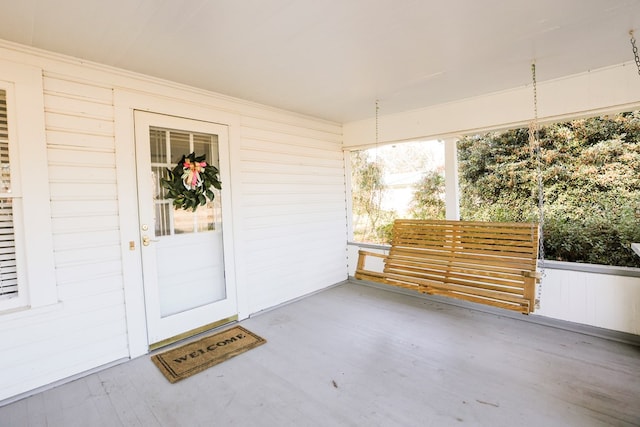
[{"x": 404, "y": 180}]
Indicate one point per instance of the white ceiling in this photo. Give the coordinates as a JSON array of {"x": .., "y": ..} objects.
[{"x": 333, "y": 58}]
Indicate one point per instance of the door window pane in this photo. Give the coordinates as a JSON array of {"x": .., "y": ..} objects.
[
  {"x": 180, "y": 145},
  {"x": 169, "y": 221},
  {"x": 158, "y": 146}
]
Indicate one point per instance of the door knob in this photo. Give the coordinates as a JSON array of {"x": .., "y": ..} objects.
[{"x": 146, "y": 240}]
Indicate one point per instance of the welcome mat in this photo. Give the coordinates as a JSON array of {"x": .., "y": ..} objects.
[{"x": 184, "y": 361}]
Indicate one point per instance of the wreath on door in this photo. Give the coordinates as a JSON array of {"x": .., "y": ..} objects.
[{"x": 189, "y": 183}]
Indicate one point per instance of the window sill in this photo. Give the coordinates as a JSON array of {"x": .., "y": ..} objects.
[{"x": 21, "y": 313}]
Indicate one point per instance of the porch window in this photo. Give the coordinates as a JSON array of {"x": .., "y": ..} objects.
[
  {"x": 589, "y": 170},
  {"x": 8, "y": 272},
  {"x": 27, "y": 272}
]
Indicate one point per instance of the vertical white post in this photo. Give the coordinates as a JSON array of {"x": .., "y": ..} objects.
[
  {"x": 347, "y": 182},
  {"x": 452, "y": 198}
]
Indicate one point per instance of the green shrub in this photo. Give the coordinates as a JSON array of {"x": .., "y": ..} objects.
[{"x": 590, "y": 169}]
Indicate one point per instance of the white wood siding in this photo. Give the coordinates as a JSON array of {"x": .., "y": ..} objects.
[
  {"x": 603, "y": 300},
  {"x": 292, "y": 210},
  {"x": 88, "y": 327}
]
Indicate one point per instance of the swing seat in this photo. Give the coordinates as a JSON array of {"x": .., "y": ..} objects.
[{"x": 492, "y": 263}]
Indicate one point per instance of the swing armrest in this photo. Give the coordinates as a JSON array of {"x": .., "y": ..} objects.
[{"x": 362, "y": 272}]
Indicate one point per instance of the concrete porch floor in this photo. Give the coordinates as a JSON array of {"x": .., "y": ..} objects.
[{"x": 354, "y": 355}]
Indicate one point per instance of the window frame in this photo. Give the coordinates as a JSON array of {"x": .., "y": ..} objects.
[
  {"x": 452, "y": 204},
  {"x": 15, "y": 195},
  {"x": 32, "y": 212}
]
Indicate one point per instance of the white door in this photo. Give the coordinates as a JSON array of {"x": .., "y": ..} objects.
[{"x": 188, "y": 280}]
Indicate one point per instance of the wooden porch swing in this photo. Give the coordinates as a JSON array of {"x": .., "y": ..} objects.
[{"x": 491, "y": 263}]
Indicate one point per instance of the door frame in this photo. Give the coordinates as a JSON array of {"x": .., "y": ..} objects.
[
  {"x": 167, "y": 329},
  {"x": 197, "y": 107}
]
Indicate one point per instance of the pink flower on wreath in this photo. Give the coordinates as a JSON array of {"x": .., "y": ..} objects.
[{"x": 191, "y": 174}]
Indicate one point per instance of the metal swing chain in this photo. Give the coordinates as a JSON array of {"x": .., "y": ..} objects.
[
  {"x": 377, "y": 135},
  {"x": 377, "y": 109},
  {"x": 534, "y": 141},
  {"x": 635, "y": 50}
]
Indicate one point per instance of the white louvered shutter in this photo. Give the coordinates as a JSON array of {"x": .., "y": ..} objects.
[{"x": 8, "y": 273}]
